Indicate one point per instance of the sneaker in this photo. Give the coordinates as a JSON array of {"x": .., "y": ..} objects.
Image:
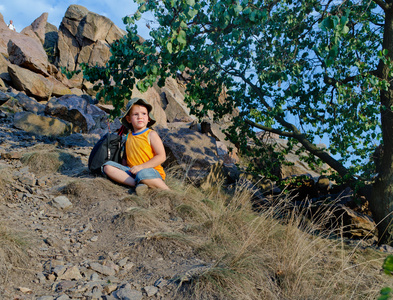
[{"x": 141, "y": 189}]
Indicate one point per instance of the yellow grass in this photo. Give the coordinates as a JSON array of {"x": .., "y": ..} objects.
[
  {"x": 274, "y": 254},
  {"x": 12, "y": 253}
]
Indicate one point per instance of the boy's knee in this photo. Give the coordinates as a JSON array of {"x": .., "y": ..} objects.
[
  {"x": 107, "y": 168},
  {"x": 156, "y": 183}
]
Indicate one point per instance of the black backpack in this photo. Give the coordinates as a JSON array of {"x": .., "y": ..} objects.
[{"x": 109, "y": 147}]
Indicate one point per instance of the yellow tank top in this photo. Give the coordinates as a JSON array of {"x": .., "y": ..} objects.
[{"x": 139, "y": 150}]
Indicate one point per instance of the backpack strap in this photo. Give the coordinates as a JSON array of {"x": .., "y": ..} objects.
[{"x": 122, "y": 130}]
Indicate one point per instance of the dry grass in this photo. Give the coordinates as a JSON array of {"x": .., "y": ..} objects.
[
  {"x": 13, "y": 256},
  {"x": 89, "y": 190},
  {"x": 5, "y": 177},
  {"x": 260, "y": 256},
  {"x": 43, "y": 161}
]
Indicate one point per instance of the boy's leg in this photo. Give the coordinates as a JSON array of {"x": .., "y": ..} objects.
[
  {"x": 156, "y": 183},
  {"x": 151, "y": 178},
  {"x": 118, "y": 175}
]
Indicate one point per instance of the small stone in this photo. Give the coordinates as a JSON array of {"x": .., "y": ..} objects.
[
  {"x": 25, "y": 290},
  {"x": 110, "y": 288},
  {"x": 94, "y": 238},
  {"x": 51, "y": 277},
  {"x": 123, "y": 262},
  {"x": 61, "y": 202},
  {"x": 41, "y": 277},
  {"x": 102, "y": 269},
  {"x": 127, "y": 293},
  {"x": 150, "y": 290},
  {"x": 71, "y": 273},
  {"x": 161, "y": 283},
  {"x": 94, "y": 277}
]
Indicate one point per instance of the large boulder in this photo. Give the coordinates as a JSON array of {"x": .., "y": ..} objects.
[
  {"x": 188, "y": 148},
  {"x": 95, "y": 54},
  {"x": 37, "y": 29},
  {"x": 76, "y": 110},
  {"x": 68, "y": 49},
  {"x": 173, "y": 102},
  {"x": 32, "y": 83},
  {"x": 59, "y": 89},
  {"x": 96, "y": 27},
  {"x": 29, "y": 53},
  {"x": 84, "y": 37},
  {"x": 29, "y": 104},
  {"x": 41, "y": 125}
]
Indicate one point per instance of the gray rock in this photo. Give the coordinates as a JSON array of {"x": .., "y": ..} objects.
[
  {"x": 76, "y": 110},
  {"x": 30, "y": 104},
  {"x": 71, "y": 273},
  {"x": 3, "y": 97},
  {"x": 126, "y": 293},
  {"x": 105, "y": 270},
  {"x": 150, "y": 290},
  {"x": 61, "y": 202}
]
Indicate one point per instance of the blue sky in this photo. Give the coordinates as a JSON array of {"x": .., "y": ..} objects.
[{"x": 24, "y": 12}]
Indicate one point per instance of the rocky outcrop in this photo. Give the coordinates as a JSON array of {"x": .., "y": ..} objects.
[
  {"x": 37, "y": 29},
  {"x": 28, "y": 53},
  {"x": 85, "y": 37}
]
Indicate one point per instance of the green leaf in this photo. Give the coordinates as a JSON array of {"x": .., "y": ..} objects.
[
  {"x": 169, "y": 47},
  {"x": 388, "y": 265},
  {"x": 333, "y": 52},
  {"x": 154, "y": 70},
  {"x": 238, "y": 8},
  {"x": 192, "y": 13},
  {"x": 181, "y": 38},
  {"x": 386, "y": 291}
]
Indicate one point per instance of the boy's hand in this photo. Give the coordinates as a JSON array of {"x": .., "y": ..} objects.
[{"x": 135, "y": 169}]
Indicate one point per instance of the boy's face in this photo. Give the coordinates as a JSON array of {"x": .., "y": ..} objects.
[{"x": 138, "y": 117}]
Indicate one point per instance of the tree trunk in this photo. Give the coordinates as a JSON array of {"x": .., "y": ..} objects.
[{"x": 382, "y": 199}]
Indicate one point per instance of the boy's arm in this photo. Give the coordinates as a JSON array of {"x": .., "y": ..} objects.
[{"x": 158, "y": 150}]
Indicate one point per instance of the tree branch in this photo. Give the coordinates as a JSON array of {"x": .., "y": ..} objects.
[
  {"x": 302, "y": 139},
  {"x": 294, "y": 131},
  {"x": 269, "y": 129},
  {"x": 382, "y": 4},
  {"x": 331, "y": 81}
]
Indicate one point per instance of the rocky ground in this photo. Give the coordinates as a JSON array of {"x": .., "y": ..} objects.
[{"x": 68, "y": 235}]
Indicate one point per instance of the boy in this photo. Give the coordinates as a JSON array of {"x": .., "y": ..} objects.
[{"x": 144, "y": 151}]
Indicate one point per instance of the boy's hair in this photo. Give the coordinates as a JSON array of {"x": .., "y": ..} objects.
[{"x": 143, "y": 103}]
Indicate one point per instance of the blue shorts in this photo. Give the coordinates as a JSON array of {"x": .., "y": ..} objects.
[{"x": 143, "y": 174}]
